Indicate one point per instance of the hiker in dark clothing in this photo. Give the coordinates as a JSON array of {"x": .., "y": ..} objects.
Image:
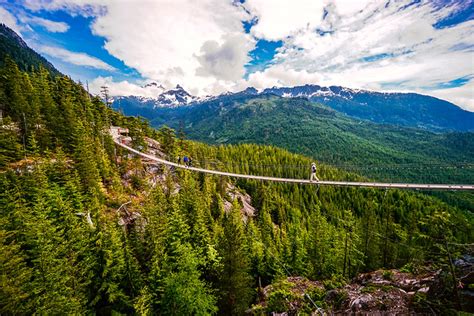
[
  {"x": 190, "y": 162},
  {"x": 313, "y": 173},
  {"x": 179, "y": 160},
  {"x": 186, "y": 160}
]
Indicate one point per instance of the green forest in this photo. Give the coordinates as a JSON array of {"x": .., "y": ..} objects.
[{"x": 88, "y": 228}]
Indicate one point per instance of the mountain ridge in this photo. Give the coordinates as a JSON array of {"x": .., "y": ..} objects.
[
  {"x": 170, "y": 98},
  {"x": 395, "y": 108}
]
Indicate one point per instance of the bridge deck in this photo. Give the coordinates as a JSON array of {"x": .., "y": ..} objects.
[{"x": 460, "y": 187}]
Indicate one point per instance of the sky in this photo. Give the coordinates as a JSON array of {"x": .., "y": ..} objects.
[{"x": 213, "y": 46}]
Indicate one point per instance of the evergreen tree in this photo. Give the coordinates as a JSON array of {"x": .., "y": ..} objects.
[
  {"x": 235, "y": 284},
  {"x": 184, "y": 293}
]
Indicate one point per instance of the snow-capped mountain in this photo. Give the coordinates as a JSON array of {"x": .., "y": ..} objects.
[
  {"x": 310, "y": 91},
  {"x": 407, "y": 109},
  {"x": 163, "y": 98},
  {"x": 174, "y": 97}
]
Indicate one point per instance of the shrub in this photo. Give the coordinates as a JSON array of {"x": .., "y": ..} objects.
[
  {"x": 279, "y": 301},
  {"x": 387, "y": 275}
]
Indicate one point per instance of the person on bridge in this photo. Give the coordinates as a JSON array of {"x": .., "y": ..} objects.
[
  {"x": 186, "y": 160},
  {"x": 313, "y": 173}
]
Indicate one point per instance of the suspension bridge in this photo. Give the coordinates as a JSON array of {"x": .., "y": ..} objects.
[{"x": 380, "y": 185}]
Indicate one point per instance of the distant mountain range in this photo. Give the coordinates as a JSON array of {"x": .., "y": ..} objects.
[{"x": 404, "y": 109}]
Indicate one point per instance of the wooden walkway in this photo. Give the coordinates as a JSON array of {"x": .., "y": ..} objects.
[{"x": 430, "y": 187}]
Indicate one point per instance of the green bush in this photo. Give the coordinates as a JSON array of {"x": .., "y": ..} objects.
[
  {"x": 340, "y": 298},
  {"x": 408, "y": 268},
  {"x": 387, "y": 275},
  {"x": 316, "y": 293},
  {"x": 279, "y": 301},
  {"x": 137, "y": 182},
  {"x": 335, "y": 282},
  {"x": 368, "y": 289}
]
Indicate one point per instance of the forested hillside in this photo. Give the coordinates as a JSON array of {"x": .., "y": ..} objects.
[
  {"x": 89, "y": 228},
  {"x": 12, "y": 45}
]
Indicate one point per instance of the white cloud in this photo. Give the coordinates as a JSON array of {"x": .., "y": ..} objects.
[
  {"x": 349, "y": 7},
  {"x": 165, "y": 39},
  {"x": 9, "y": 20},
  {"x": 280, "y": 75},
  {"x": 278, "y": 19},
  {"x": 171, "y": 41},
  {"x": 225, "y": 61},
  {"x": 80, "y": 59},
  {"x": 51, "y": 26},
  {"x": 87, "y": 8},
  {"x": 121, "y": 88}
]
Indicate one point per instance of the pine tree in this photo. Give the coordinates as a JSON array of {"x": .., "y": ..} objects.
[
  {"x": 15, "y": 277},
  {"x": 168, "y": 140},
  {"x": 184, "y": 293},
  {"x": 235, "y": 284},
  {"x": 111, "y": 294}
]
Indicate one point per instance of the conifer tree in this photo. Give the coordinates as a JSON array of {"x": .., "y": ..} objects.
[
  {"x": 111, "y": 293},
  {"x": 235, "y": 284},
  {"x": 184, "y": 293}
]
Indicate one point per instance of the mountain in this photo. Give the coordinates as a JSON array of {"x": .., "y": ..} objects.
[
  {"x": 406, "y": 109},
  {"x": 154, "y": 88},
  {"x": 164, "y": 98},
  {"x": 15, "y": 47}
]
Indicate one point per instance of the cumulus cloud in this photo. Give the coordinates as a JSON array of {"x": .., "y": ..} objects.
[
  {"x": 225, "y": 61},
  {"x": 280, "y": 75},
  {"x": 171, "y": 41},
  {"x": 9, "y": 20},
  {"x": 80, "y": 59},
  {"x": 51, "y": 26},
  {"x": 278, "y": 19}
]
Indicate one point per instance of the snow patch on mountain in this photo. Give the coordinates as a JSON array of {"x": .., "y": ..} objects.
[
  {"x": 162, "y": 98},
  {"x": 310, "y": 91}
]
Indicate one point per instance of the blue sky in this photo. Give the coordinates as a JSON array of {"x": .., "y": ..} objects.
[{"x": 212, "y": 46}]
